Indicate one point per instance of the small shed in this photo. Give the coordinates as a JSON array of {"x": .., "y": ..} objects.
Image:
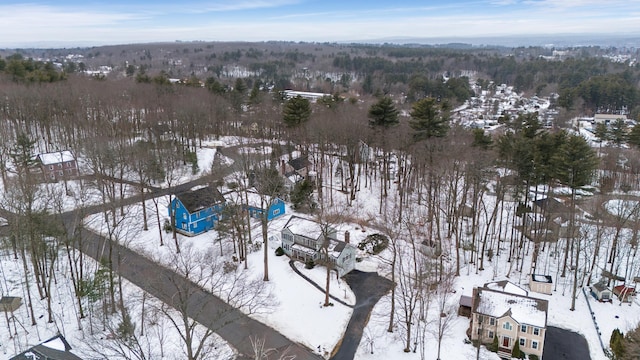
[
  {"x": 465, "y": 306},
  {"x": 541, "y": 284},
  {"x": 624, "y": 293},
  {"x": 601, "y": 292},
  {"x": 10, "y": 303}
]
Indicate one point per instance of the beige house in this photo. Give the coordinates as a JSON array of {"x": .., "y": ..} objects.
[{"x": 510, "y": 318}]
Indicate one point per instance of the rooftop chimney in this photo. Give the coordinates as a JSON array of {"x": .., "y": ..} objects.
[{"x": 347, "y": 237}]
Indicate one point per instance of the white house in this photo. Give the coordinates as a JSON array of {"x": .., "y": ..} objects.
[
  {"x": 311, "y": 96},
  {"x": 608, "y": 118},
  {"x": 304, "y": 239}
]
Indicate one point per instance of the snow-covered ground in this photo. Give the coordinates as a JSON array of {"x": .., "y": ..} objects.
[{"x": 297, "y": 309}]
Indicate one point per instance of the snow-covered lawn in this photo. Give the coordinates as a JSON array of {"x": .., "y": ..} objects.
[{"x": 294, "y": 304}]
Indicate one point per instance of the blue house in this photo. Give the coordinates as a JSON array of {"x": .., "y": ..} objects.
[
  {"x": 196, "y": 211},
  {"x": 255, "y": 204}
]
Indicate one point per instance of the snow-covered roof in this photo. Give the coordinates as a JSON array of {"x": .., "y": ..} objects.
[
  {"x": 56, "y": 344},
  {"x": 56, "y": 157},
  {"x": 304, "y": 249},
  {"x": 542, "y": 278},
  {"x": 523, "y": 309},
  {"x": 253, "y": 199},
  {"x": 336, "y": 247},
  {"x": 506, "y": 286},
  {"x": 304, "y": 227}
]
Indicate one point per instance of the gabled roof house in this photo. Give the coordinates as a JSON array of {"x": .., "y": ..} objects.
[
  {"x": 510, "y": 318},
  {"x": 304, "y": 239},
  {"x": 294, "y": 170},
  {"x": 196, "y": 211},
  {"x": 255, "y": 204},
  {"x": 57, "y": 165},
  {"x": 56, "y": 348}
]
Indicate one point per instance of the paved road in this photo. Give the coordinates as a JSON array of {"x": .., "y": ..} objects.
[
  {"x": 177, "y": 291},
  {"x": 560, "y": 344},
  {"x": 229, "y": 323},
  {"x": 368, "y": 288}
]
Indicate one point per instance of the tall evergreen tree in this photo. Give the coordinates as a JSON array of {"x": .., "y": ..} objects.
[
  {"x": 296, "y": 111},
  {"x": 383, "y": 113},
  {"x": 601, "y": 132},
  {"x": 618, "y": 132},
  {"x": 576, "y": 162},
  {"x": 634, "y": 136},
  {"x": 429, "y": 119}
]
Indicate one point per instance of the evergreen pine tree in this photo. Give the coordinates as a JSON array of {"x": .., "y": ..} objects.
[
  {"x": 296, "y": 111},
  {"x": 429, "y": 119},
  {"x": 383, "y": 113}
]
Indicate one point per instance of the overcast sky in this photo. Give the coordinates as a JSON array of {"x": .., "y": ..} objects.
[{"x": 98, "y": 22}]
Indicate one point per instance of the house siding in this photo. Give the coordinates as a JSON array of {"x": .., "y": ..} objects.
[
  {"x": 303, "y": 248},
  {"x": 276, "y": 209},
  {"x": 513, "y": 335},
  {"x": 196, "y": 223}
]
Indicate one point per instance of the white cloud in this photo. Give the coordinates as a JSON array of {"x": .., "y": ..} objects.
[{"x": 21, "y": 24}]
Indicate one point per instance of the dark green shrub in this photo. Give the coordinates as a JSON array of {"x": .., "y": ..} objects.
[
  {"x": 279, "y": 251},
  {"x": 167, "y": 226},
  {"x": 310, "y": 264},
  {"x": 533, "y": 357},
  {"x": 616, "y": 343},
  {"x": 515, "y": 352},
  {"x": 494, "y": 344}
]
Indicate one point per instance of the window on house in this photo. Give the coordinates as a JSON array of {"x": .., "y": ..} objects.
[
  {"x": 507, "y": 326},
  {"x": 523, "y": 328},
  {"x": 276, "y": 211},
  {"x": 523, "y": 341},
  {"x": 491, "y": 335},
  {"x": 184, "y": 216},
  {"x": 61, "y": 172},
  {"x": 534, "y": 345},
  {"x": 479, "y": 331},
  {"x": 536, "y": 331},
  {"x": 50, "y": 167},
  {"x": 492, "y": 321}
]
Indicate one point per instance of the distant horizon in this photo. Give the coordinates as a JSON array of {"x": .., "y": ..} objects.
[
  {"x": 75, "y": 23},
  {"x": 525, "y": 40}
]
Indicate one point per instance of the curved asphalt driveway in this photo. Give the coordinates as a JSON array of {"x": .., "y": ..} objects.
[
  {"x": 560, "y": 344},
  {"x": 368, "y": 288}
]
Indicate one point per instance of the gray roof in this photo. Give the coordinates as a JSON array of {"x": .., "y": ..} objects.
[
  {"x": 299, "y": 163},
  {"x": 466, "y": 301},
  {"x": 196, "y": 200},
  {"x": 600, "y": 286},
  {"x": 49, "y": 350}
]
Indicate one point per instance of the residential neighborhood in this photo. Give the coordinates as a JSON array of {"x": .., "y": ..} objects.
[{"x": 280, "y": 200}]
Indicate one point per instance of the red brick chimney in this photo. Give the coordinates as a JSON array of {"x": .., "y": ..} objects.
[
  {"x": 284, "y": 167},
  {"x": 347, "y": 237}
]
